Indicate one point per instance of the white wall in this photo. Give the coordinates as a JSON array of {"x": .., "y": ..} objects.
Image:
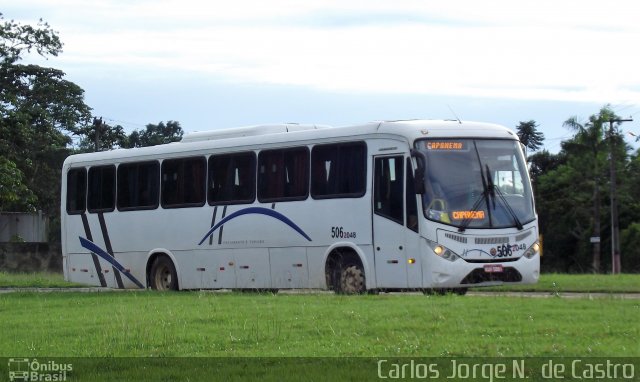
[{"x": 31, "y": 227}]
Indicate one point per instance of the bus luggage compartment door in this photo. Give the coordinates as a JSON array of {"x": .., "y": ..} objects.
[
  {"x": 288, "y": 267},
  {"x": 252, "y": 268}
]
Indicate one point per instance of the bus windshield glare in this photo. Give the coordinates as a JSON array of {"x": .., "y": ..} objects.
[{"x": 476, "y": 183}]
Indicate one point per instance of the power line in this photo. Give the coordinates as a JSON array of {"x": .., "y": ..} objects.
[
  {"x": 124, "y": 122},
  {"x": 558, "y": 138},
  {"x": 630, "y": 104}
]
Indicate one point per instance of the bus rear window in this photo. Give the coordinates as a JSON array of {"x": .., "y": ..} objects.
[{"x": 76, "y": 191}]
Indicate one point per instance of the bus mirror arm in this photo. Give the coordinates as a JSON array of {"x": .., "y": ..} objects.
[{"x": 418, "y": 176}]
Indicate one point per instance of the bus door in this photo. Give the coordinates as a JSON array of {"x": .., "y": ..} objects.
[
  {"x": 412, "y": 235},
  {"x": 389, "y": 222}
]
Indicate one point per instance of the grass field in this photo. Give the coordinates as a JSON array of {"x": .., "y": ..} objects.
[
  {"x": 313, "y": 325},
  {"x": 34, "y": 280},
  {"x": 550, "y": 282},
  {"x": 558, "y": 282},
  {"x": 136, "y": 335}
]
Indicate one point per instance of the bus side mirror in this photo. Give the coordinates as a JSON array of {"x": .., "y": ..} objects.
[
  {"x": 418, "y": 180},
  {"x": 418, "y": 175}
]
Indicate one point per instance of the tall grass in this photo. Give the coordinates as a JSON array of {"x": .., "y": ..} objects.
[{"x": 313, "y": 325}]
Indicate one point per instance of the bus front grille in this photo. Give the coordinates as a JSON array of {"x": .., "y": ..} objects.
[
  {"x": 479, "y": 275},
  {"x": 492, "y": 240}
]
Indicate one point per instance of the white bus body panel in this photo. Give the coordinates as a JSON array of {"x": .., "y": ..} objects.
[{"x": 289, "y": 268}]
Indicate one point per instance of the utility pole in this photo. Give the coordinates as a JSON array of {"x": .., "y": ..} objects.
[
  {"x": 615, "y": 229},
  {"x": 97, "y": 124}
]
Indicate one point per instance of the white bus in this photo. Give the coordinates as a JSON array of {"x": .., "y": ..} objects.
[{"x": 399, "y": 205}]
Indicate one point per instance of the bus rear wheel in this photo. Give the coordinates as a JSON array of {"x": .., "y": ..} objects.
[
  {"x": 352, "y": 280},
  {"x": 163, "y": 275}
]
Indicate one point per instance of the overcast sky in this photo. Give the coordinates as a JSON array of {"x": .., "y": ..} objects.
[{"x": 213, "y": 64}]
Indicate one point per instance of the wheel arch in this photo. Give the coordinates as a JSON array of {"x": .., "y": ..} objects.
[
  {"x": 153, "y": 255},
  {"x": 341, "y": 248}
]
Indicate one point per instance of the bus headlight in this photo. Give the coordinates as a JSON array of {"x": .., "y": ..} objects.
[
  {"x": 442, "y": 251},
  {"x": 532, "y": 251}
]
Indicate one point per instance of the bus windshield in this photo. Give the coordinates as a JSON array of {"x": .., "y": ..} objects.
[{"x": 476, "y": 183}]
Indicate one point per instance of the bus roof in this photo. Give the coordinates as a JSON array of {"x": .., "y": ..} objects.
[{"x": 248, "y": 137}]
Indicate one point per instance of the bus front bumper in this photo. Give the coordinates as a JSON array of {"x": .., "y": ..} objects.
[{"x": 463, "y": 274}]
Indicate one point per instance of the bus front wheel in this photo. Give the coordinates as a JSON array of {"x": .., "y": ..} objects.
[
  {"x": 163, "y": 275},
  {"x": 352, "y": 280}
]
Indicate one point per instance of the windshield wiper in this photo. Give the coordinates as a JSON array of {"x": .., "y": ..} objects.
[
  {"x": 496, "y": 190},
  {"x": 487, "y": 189},
  {"x": 491, "y": 188},
  {"x": 489, "y": 194}
]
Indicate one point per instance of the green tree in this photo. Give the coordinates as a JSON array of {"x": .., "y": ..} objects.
[
  {"x": 38, "y": 106},
  {"x": 630, "y": 248},
  {"x": 17, "y": 39},
  {"x": 629, "y": 200},
  {"x": 571, "y": 196},
  {"x": 14, "y": 195},
  {"x": 101, "y": 136},
  {"x": 543, "y": 162},
  {"x": 561, "y": 215},
  {"x": 589, "y": 146},
  {"x": 158, "y": 134},
  {"x": 529, "y": 135}
]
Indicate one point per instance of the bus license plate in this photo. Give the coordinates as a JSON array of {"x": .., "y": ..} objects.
[{"x": 493, "y": 268}]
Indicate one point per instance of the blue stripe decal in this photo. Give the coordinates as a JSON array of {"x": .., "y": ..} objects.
[
  {"x": 91, "y": 246},
  {"x": 260, "y": 211}
]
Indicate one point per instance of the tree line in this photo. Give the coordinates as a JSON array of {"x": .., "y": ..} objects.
[
  {"x": 44, "y": 119},
  {"x": 572, "y": 189}
]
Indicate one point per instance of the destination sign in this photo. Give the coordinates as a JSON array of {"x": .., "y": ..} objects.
[
  {"x": 445, "y": 145},
  {"x": 472, "y": 215}
]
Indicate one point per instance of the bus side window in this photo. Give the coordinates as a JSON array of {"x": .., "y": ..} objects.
[
  {"x": 339, "y": 170},
  {"x": 138, "y": 186},
  {"x": 102, "y": 189},
  {"x": 232, "y": 178},
  {"x": 76, "y": 191},
  {"x": 183, "y": 182},
  {"x": 389, "y": 187},
  {"x": 283, "y": 174}
]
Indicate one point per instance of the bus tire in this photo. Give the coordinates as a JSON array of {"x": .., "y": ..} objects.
[
  {"x": 352, "y": 279},
  {"x": 163, "y": 275}
]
